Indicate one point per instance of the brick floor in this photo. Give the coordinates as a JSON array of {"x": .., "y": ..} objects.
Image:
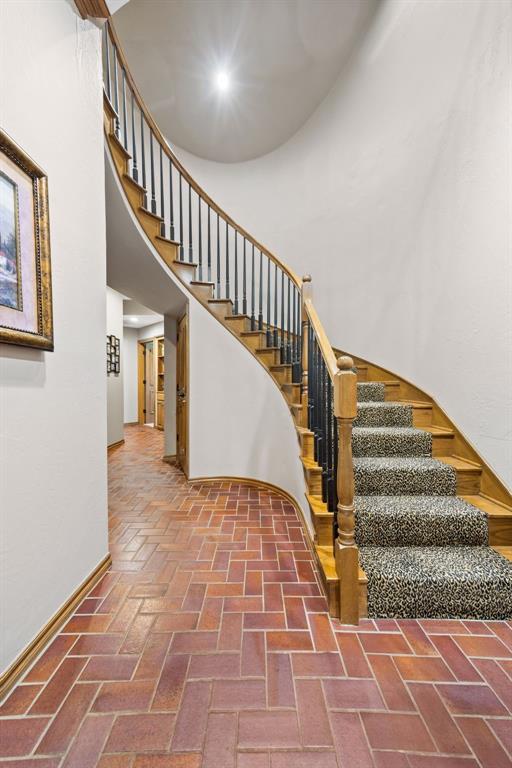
[{"x": 208, "y": 644}]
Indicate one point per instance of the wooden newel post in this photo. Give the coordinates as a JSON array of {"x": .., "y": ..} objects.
[
  {"x": 345, "y": 548},
  {"x": 306, "y": 294}
]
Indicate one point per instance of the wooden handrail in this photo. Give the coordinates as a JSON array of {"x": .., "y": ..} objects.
[
  {"x": 323, "y": 341},
  {"x": 162, "y": 141}
]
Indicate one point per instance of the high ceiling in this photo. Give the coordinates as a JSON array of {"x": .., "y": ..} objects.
[{"x": 283, "y": 57}]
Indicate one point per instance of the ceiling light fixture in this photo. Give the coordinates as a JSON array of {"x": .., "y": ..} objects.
[{"x": 223, "y": 81}]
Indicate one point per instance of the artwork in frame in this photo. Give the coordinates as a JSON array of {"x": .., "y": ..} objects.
[
  {"x": 26, "y": 316},
  {"x": 113, "y": 355}
]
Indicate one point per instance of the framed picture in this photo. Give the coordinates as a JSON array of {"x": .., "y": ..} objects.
[
  {"x": 26, "y": 316},
  {"x": 113, "y": 355}
]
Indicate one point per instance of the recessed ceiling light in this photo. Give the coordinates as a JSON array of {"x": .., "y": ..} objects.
[
  {"x": 223, "y": 81},
  {"x": 133, "y": 319}
]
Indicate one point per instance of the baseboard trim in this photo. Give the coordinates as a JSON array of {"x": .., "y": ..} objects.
[
  {"x": 131, "y": 424},
  {"x": 271, "y": 487},
  {"x": 115, "y": 445},
  {"x": 169, "y": 458},
  {"x": 28, "y": 655}
]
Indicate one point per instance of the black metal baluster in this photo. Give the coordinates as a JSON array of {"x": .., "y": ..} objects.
[
  {"x": 269, "y": 329},
  {"x": 209, "y": 249},
  {"x": 244, "y": 282},
  {"x": 283, "y": 350},
  {"x": 182, "y": 246},
  {"x": 260, "y": 303},
  {"x": 296, "y": 370},
  {"x": 275, "y": 341},
  {"x": 327, "y": 434},
  {"x": 200, "y": 238},
  {"x": 253, "y": 318},
  {"x": 162, "y": 202},
  {"x": 143, "y": 156},
  {"x": 107, "y": 61},
  {"x": 171, "y": 203},
  {"x": 125, "y": 128},
  {"x": 135, "y": 172},
  {"x": 236, "y": 272},
  {"x": 227, "y": 261},
  {"x": 288, "y": 329},
  {"x": 217, "y": 294},
  {"x": 152, "y": 167},
  {"x": 190, "y": 248},
  {"x": 116, "y": 95},
  {"x": 310, "y": 375}
]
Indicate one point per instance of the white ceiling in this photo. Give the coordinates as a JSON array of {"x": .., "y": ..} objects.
[
  {"x": 136, "y": 315},
  {"x": 283, "y": 57}
]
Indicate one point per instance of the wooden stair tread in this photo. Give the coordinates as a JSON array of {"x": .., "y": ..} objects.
[
  {"x": 328, "y": 564},
  {"x": 150, "y": 213},
  {"x": 277, "y": 366},
  {"x": 168, "y": 240},
  {"x": 190, "y": 264},
  {"x": 491, "y": 507},
  {"x": 318, "y": 507},
  {"x": 120, "y": 144},
  {"x": 504, "y": 551},
  {"x": 416, "y": 403},
  {"x": 461, "y": 465},
  {"x": 250, "y": 333},
  {"x": 215, "y": 301},
  {"x": 438, "y": 431},
  {"x": 310, "y": 464},
  {"x": 134, "y": 183}
]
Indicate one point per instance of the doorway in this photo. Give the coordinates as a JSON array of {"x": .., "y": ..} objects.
[
  {"x": 146, "y": 389},
  {"x": 182, "y": 394}
]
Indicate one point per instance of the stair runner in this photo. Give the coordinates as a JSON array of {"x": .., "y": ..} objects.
[{"x": 424, "y": 550}]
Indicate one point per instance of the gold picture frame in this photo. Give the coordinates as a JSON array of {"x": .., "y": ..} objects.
[{"x": 26, "y": 314}]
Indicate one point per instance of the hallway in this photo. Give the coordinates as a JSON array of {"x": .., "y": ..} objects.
[{"x": 208, "y": 644}]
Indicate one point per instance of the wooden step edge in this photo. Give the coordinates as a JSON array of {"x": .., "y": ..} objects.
[
  {"x": 218, "y": 301},
  {"x": 305, "y": 431},
  {"x": 503, "y": 550},
  {"x": 492, "y": 508},
  {"x": 291, "y": 385},
  {"x": 418, "y": 404},
  {"x": 201, "y": 283},
  {"x": 167, "y": 241},
  {"x": 128, "y": 178},
  {"x": 328, "y": 564},
  {"x": 280, "y": 366},
  {"x": 438, "y": 431},
  {"x": 251, "y": 333},
  {"x": 119, "y": 144},
  {"x": 461, "y": 465},
  {"x": 236, "y": 317},
  {"x": 188, "y": 264},
  {"x": 311, "y": 465},
  {"x": 154, "y": 216}
]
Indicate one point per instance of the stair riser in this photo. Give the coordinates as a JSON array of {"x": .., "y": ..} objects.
[
  {"x": 314, "y": 481},
  {"x": 186, "y": 272},
  {"x": 371, "y": 392},
  {"x": 390, "y": 482},
  {"x": 369, "y": 416},
  {"x": 308, "y": 446},
  {"x": 269, "y": 356},
  {"x": 391, "y": 445},
  {"x": 119, "y": 156},
  {"x": 468, "y": 482},
  {"x": 422, "y": 417},
  {"x": 323, "y": 530},
  {"x": 238, "y": 324},
  {"x": 221, "y": 309},
  {"x": 203, "y": 292},
  {"x": 292, "y": 393},
  {"x": 254, "y": 342},
  {"x": 500, "y": 531},
  {"x": 442, "y": 446}
]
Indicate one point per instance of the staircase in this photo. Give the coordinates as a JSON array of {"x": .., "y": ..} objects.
[{"x": 408, "y": 520}]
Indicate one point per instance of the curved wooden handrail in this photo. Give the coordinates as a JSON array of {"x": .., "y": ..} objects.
[
  {"x": 323, "y": 341},
  {"x": 162, "y": 141}
]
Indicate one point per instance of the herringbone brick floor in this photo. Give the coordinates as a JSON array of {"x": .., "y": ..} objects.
[{"x": 208, "y": 644}]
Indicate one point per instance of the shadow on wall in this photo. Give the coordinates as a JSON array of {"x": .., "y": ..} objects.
[{"x": 27, "y": 369}]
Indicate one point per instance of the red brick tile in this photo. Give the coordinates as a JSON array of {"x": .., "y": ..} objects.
[
  {"x": 503, "y": 730},
  {"x": 225, "y": 590},
  {"x": 390, "y": 759},
  {"x": 455, "y": 659},
  {"x": 393, "y": 731},
  {"x": 230, "y": 635},
  {"x": 253, "y": 654},
  {"x": 278, "y": 728},
  {"x": 503, "y": 631},
  {"x": 171, "y": 683},
  {"x": 483, "y": 646},
  {"x": 130, "y": 696},
  {"x": 483, "y": 743},
  {"x": 56, "y": 690},
  {"x": 434, "y": 761},
  {"x": 253, "y": 583},
  {"x": 416, "y": 637},
  {"x": 350, "y": 741},
  {"x": 466, "y": 699},
  {"x": 303, "y": 759},
  {"x": 89, "y": 605},
  {"x": 211, "y": 613},
  {"x": 437, "y": 719},
  {"x": 295, "y": 613},
  {"x": 301, "y": 590},
  {"x": 352, "y": 694},
  {"x": 393, "y": 690},
  {"x": 427, "y": 668},
  {"x": 384, "y": 643},
  {"x": 289, "y": 641},
  {"x": 19, "y": 736},
  {"x": 215, "y": 665},
  {"x": 352, "y": 654},
  {"x": 161, "y": 604},
  {"x": 253, "y": 760},
  {"x": 280, "y": 681},
  {"x": 138, "y": 733},
  {"x": 152, "y": 658},
  {"x": 46, "y": 665},
  {"x": 443, "y": 626},
  {"x": 110, "y": 668},
  {"x": 194, "y": 594},
  {"x": 137, "y": 634},
  {"x": 176, "y": 622},
  {"x": 185, "y": 760},
  {"x": 317, "y": 665},
  {"x": 87, "y": 745},
  {"x": 242, "y": 604},
  {"x": 64, "y": 726},
  {"x": 264, "y": 621},
  {"x": 36, "y": 762},
  {"x": 497, "y": 680},
  {"x": 238, "y": 694},
  {"x": 313, "y": 720},
  {"x": 194, "y": 642},
  {"x": 323, "y": 636},
  {"x": 93, "y": 645},
  {"x": 84, "y": 624},
  {"x": 192, "y": 718},
  {"x": 220, "y": 742},
  {"x": 19, "y": 700}
]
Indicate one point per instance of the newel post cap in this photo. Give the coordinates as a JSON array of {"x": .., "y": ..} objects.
[
  {"x": 345, "y": 363},
  {"x": 306, "y": 279}
]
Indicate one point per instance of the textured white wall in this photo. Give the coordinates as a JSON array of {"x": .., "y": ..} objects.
[
  {"x": 129, "y": 361},
  {"x": 151, "y": 331},
  {"x": 115, "y": 396},
  {"x": 53, "y": 483},
  {"x": 396, "y": 196},
  {"x": 240, "y": 424}
]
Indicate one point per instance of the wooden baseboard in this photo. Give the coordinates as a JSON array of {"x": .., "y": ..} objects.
[
  {"x": 170, "y": 458},
  {"x": 28, "y": 655},
  {"x": 115, "y": 445},
  {"x": 131, "y": 423}
]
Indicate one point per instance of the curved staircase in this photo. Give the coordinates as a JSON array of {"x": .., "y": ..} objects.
[{"x": 403, "y": 509}]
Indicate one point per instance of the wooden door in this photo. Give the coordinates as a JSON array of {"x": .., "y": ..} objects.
[
  {"x": 150, "y": 384},
  {"x": 182, "y": 395}
]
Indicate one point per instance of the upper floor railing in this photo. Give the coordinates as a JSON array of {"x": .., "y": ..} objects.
[{"x": 256, "y": 284}]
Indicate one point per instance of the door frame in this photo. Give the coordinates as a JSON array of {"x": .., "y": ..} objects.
[
  {"x": 141, "y": 372},
  {"x": 186, "y": 377}
]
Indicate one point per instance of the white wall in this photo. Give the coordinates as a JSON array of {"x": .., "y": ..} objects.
[
  {"x": 239, "y": 422},
  {"x": 129, "y": 361},
  {"x": 53, "y": 484},
  {"x": 151, "y": 331},
  {"x": 396, "y": 197},
  {"x": 115, "y": 405}
]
